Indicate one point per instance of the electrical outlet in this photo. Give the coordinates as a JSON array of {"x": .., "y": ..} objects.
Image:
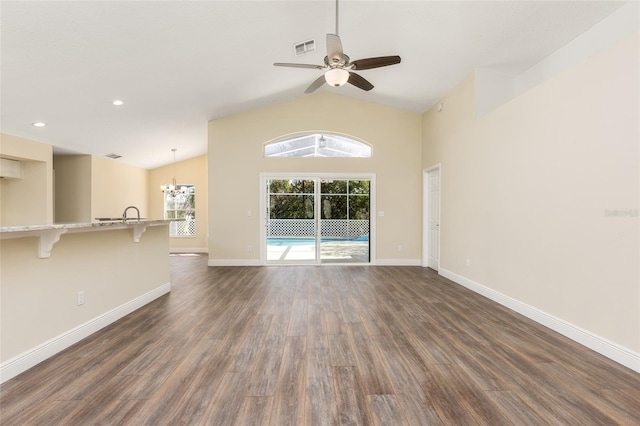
[
  {"x": 468, "y": 263},
  {"x": 249, "y": 248},
  {"x": 400, "y": 248},
  {"x": 80, "y": 298}
]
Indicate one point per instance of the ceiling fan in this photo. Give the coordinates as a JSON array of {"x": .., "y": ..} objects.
[{"x": 338, "y": 67}]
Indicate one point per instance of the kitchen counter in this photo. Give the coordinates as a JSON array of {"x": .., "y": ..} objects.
[
  {"x": 62, "y": 282},
  {"x": 86, "y": 226},
  {"x": 50, "y": 234}
]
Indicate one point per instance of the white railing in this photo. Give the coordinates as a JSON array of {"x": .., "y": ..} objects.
[
  {"x": 182, "y": 228},
  {"x": 336, "y": 228}
]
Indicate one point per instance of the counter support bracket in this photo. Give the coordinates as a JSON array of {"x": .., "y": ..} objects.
[
  {"x": 138, "y": 230},
  {"x": 47, "y": 239}
]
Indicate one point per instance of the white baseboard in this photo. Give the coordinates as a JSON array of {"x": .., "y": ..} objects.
[
  {"x": 397, "y": 262},
  {"x": 611, "y": 350},
  {"x": 189, "y": 250},
  {"x": 36, "y": 355},
  {"x": 234, "y": 262},
  {"x": 256, "y": 262}
]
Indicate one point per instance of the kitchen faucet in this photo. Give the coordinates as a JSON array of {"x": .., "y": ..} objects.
[{"x": 124, "y": 215}]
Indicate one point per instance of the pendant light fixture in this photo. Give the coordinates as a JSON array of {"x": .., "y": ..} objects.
[
  {"x": 322, "y": 142},
  {"x": 172, "y": 189}
]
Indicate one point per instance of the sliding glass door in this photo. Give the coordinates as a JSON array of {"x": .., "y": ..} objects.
[
  {"x": 344, "y": 221},
  {"x": 291, "y": 227},
  {"x": 310, "y": 220}
]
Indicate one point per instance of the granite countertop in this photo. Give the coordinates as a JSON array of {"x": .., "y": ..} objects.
[
  {"x": 86, "y": 225},
  {"x": 49, "y": 235}
]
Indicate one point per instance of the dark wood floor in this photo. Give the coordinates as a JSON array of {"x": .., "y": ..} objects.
[{"x": 322, "y": 345}]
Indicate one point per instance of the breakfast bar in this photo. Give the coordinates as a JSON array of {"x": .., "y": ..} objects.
[
  {"x": 50, "y": 234},
  {"x": 62, "y": 282}
]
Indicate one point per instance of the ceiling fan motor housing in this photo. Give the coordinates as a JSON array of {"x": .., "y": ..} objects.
[{"x": 341, "y": 61}]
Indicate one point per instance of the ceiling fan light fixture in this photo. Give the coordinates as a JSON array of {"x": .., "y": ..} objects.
[{"x": 337, "y": 77}]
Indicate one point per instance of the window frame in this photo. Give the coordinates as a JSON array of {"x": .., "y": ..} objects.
[
  {"x": 317, "y": 145},
  {"x": 175, "y": 225}
]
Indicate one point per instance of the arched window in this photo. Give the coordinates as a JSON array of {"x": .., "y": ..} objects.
[{"x": 317, "y": 145}]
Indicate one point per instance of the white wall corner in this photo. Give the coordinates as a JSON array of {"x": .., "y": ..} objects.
[
  {"x": 620, "y": 24},
  {"x": 492, "y": 89},
  {"x": 36, "y": 355},
  {"x": 609, "y": 349}
]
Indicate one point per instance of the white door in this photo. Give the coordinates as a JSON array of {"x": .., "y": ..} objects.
[{"x": 433, "y": 180}]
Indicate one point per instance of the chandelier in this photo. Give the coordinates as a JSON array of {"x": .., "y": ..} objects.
[{"x": 172, "y": 188}]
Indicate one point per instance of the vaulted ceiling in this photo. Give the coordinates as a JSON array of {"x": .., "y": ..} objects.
[{"x": 178, "y": 64}]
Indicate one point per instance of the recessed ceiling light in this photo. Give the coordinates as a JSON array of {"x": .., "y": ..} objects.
[
  {"x": 118, "y": 102},
  {"x": 38, "y": 124}
]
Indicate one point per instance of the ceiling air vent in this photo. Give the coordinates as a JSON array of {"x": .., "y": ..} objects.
[
  {"x": 114, "y": 156},
  {"x": 304, "y": 47}
]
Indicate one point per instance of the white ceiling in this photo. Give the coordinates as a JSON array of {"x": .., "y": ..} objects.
[{"x": 179, "y": 64}]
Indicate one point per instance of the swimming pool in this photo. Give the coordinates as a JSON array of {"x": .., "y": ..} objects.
[{"x": 303, "y": 241}]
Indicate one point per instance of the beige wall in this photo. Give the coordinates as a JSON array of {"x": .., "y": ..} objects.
[
  {"x": 72, "y": 188},
  {"x": 27, "y": 201},
  {"x": 527, "y": 192},
  {"x": 88, "y": 187},
  {"x": 191, "y": 172},
  {"x": 236, "y": 160},
  {"x": 115, "y": 186}
]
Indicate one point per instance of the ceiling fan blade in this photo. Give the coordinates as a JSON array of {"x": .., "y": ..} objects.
[
  {"x": 359, "y": 81},
  {"x": 315, "y": 67},
  {"x": 315, "y": 85},
  {"x": 334, "y": 48},
  {"x": 382, "y": 61}
]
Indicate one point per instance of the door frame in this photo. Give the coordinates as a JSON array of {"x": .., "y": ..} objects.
[
  {"x": 350, "y": 176},
  {"x": 425, "y": 212}
]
